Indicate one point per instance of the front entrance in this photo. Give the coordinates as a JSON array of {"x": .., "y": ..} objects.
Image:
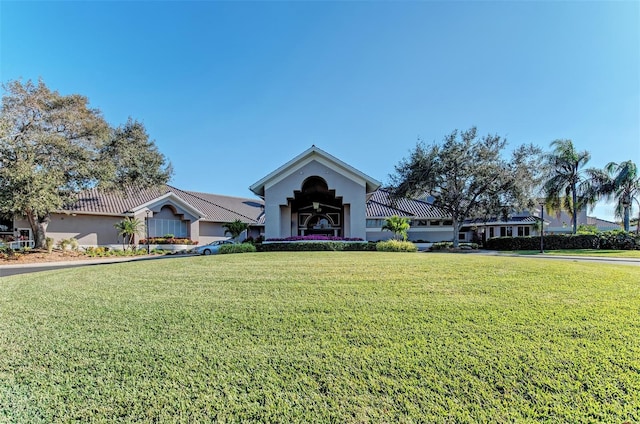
[
  {"x": 321, "y": 224},
  {"x": 318, "y": 209}
]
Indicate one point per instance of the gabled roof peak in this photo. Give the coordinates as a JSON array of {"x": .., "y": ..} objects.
[{"x": 258, "y": 187}]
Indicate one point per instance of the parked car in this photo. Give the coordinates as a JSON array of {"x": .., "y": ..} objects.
[{"x": 211, "y": 248}]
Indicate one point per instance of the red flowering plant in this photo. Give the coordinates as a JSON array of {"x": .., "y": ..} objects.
[{"x": 316, "y": 237}]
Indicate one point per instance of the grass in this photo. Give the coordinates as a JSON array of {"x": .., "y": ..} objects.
[
  {"x": 584, "y": 252},
  {"x": 322, "y": 337}
]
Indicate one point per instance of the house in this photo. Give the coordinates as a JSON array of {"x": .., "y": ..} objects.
[
  {"x": 166, "y": 210},
  {"x": 314, "y": 193}
]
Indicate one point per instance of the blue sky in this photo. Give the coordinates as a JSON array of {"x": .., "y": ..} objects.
[{"x": 232, "y": 90}]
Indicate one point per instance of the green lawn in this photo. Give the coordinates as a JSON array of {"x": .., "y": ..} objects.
[
  {"x": 584, "y": 252},
  {"x": 323, "y": 337}
]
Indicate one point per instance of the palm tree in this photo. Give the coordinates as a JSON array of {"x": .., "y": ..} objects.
[
  {"x": 623, "y": 186},
  {"x": 569, "y": 187},
  {"x": 235, "y": 228},
  {"x": 128, "y": 228},
  {"x": 398, "y": 226}
]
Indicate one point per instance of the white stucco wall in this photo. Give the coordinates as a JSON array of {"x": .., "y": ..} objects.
[{"x": 89, "y": 230}]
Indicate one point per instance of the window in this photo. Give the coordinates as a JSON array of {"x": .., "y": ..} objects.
[
  {"x": 162, "y": 227},
  {"x": 506, "y": 231},
  {"x": 447, "y": 222},
  {"x": 491, "y": 232},
  {"x": 375, "y": 223},
  {"x": 462, "y": 236},
  {"x": 523, "y": 231},
  {"x": 434, "y": 223}
]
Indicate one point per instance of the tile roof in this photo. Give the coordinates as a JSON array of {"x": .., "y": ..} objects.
[
  {"x": 217, "y": 208},
  {"x": 380, "y": 205},
  {"x": 527, "y": 219},
  {"x": 601, "y": 224},
  {"x": 113, "y": 203}
]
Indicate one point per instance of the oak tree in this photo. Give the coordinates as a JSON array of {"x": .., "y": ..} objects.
[
  {"x": 52, "y": 146},
  {"x": 468, "y": 177}
]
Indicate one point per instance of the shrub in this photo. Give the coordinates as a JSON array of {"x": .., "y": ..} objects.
[
  {"x": 68, "y": 244},
  {"x": 616, "y": 240},
  {"x": 396, "y": 246},
  {"x": 95, "y": 251},
  {"x": 315, "y": 237},
  {"x": 168, "y": 240},
  {"x": 448, "y": 245},
  {"x": 316, "y": 246},
  {"x": 237, "y": 248},
  {"x": 619, "y": 240},
  {"x": 49, "y": 243}
]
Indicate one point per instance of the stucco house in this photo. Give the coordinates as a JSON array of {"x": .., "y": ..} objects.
[
  {"x": 165, "y": 210},
  {"x": 314, "y": 193}
]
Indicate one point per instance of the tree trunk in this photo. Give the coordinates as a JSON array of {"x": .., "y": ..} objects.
[
  {"x": 456, "y": 230},
  {"x": 39, "y": 229},
  {"x": 575, "y": 209},
  {"x": 626, "y": 218}
]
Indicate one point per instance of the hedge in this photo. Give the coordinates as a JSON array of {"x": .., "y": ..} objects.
[
  {"x": 237, "y": 248},
  {"x": 617, "y": 240},
  {"x": 316, "y": 246}
]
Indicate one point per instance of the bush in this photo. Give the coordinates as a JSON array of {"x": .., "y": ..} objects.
[
  {"x": 619, "y": 240},
  {"x": 448, "y": 245},
  {"x": 93, "y": 252},
  {"x": 316, "y": 237},
  {"x": 237, "y": 248},
  {"x": 316, "y": 246},
  {"x": 396, "y": 246},
  {"x": 68, "y": 244},
  {"x": 168, "y": 240},
  {"x": 49, "y": 243},
  {"x": 616, "y": 240}
]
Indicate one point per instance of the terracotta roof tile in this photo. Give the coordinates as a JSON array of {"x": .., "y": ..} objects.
[
  {"x": 380, "y": 204},
  {"x": 217, "y": 208}
]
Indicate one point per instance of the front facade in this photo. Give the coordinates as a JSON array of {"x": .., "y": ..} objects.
[
  {"x": 315, "y": 194},
  {"x": 312, "y": 194}
]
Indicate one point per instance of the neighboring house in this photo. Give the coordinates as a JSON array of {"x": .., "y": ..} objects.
[
  {"x": 562, "y": 223},
  {"x": 521, "y": 224},
  {"x": 314, "y": 193}
]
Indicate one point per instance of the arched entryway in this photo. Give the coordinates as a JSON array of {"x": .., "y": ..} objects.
[{"x": 317, "y": 209}]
